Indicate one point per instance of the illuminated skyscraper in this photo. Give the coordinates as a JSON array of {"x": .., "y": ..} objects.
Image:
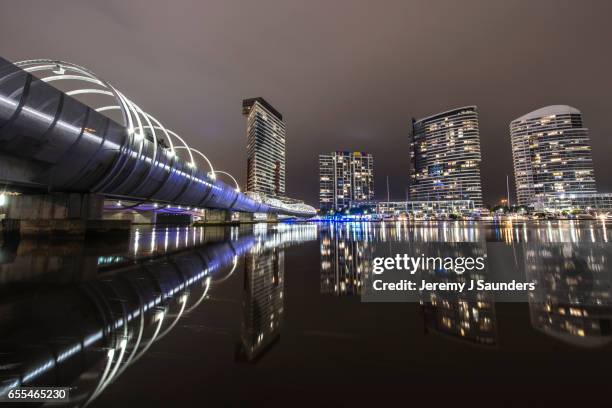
[
  {"x": 445, "y": 157},
  {"x": 265, "y": 148},
  {"x": 551, "y": 154},
  {"x": 345, "y": 179}
]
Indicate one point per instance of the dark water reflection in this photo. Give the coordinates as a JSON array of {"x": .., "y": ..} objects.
[{"x": 224, "y": 316}]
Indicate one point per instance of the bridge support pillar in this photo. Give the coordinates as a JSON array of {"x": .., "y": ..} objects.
[
  {"x": 216, "y": 217},
  {"x": 135, "y": 217},
  {"x": 59, "y": 213},
  {"x": 272, "y": 217},
  {"x": 212, "y": 216},
  {"x": 244, "y": 217}
]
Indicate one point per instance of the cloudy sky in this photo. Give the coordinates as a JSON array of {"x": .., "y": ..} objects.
[{"x": 346, "y": 74}]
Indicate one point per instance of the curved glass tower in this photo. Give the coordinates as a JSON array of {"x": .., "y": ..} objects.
[
  {"x": 551, "y": 154},
  {"x": 445, "y": 157}
]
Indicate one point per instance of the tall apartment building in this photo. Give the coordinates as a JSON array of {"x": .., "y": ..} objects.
[
  {"x": 265, "y": 148},
  {"x": 445, "y": 157},
  {"x": 345, "y": 179},
  {"x": 551, "y": 155}
]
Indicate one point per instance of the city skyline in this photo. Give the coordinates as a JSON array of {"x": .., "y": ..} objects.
[
  {"x": 338, "y": 87},
  {"x": 236, "y": 203}
]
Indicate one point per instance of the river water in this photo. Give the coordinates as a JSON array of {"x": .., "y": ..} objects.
[{"x": 274, "y": 313}]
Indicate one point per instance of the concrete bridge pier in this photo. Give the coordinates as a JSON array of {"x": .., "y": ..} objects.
[
  {"x": 216, "y": 217},
  {"x": 212, "y": 216},
  {"x": 59, "y": 213},
  {"x": 135, "y": 217},
  {"x": 244, "y": 217}
]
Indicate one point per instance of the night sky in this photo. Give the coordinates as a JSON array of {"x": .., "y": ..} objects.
[{"x": 345, "y": 74}]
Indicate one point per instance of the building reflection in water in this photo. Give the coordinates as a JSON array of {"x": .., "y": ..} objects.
[
  {"x": 469, "y": 321},
  {"x": 262, "y": 302},
  {"x": 347, "y": 251},
  {"x": 547, "y": 231},
  {"x": 344, "y": 262},
  {"x": 111, "y": 301},
  {"x": 468, "y": 316},
  {"x": 263, "y": 289},
  {"x": 572, "y": 300}
]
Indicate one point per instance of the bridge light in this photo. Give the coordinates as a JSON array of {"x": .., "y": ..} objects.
[
  {"x": 191, "y": 164},
  {"x": 3, "y": 200},
  {"x": 171, "y": 153},
  {"x": 59, "y": 70},
  {"x": 155, "y": 205}
]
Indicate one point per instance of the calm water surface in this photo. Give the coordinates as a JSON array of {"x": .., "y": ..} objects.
[{"x": 181, "y": 316}]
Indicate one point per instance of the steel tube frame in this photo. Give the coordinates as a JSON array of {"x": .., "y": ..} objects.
[{"x": 81, "y": 150}]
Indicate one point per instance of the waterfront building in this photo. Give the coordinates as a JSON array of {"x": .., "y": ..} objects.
[
  {"x": 445, "y": 157},
  {"x": 598, "y": 202},
  {"x": 437, "y": 207},
  {"x": 346, "y": 179},
  {"x": 265, "y": 148},
  {"x": 551, "y": 155}
]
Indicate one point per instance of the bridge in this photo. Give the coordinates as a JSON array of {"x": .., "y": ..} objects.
[{"x": 62, "y": 153}]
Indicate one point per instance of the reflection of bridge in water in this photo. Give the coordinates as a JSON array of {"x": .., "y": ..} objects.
[
  {"x": 103, "y": 324},
  {"x": 68, "y": 156},
  {"x": 116, "y": 299}
]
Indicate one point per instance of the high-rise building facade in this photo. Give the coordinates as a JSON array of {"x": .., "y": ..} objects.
[
  {"x": 551, "y": 154},
  {"x": 345, "y": 179},
  {"x": 265, "y": 148},
  {"x": 445, "y": 157}
]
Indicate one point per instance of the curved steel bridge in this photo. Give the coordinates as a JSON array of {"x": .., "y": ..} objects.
[{"x": 51, "y": 141}]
